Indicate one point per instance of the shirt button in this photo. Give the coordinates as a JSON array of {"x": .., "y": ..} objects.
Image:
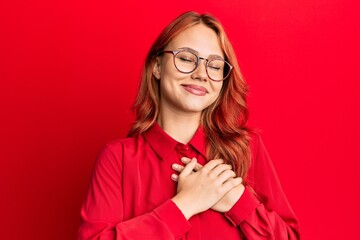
[{"x": 186, "y": 147}]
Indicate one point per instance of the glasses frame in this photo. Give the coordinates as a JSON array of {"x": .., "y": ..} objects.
[{"x": 175, "y": 52}]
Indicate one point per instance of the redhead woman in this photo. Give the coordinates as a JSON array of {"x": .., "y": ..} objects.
[{"x": 189, "y": 168}]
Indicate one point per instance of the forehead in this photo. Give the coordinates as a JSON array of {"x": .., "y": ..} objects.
[{"x": 200, "y": 38}]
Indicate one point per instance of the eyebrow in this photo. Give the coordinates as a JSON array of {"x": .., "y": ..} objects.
[{"x": 211, "y": 56}]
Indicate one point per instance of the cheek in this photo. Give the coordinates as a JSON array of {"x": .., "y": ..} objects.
[
  {"x": 216, "y": 93},
  {"x": 171, "y": 76},
  {"x": 217, "y": 88},
  {"x": 168, "y": 69}
]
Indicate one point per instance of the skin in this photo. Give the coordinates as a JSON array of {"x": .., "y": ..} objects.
[
  {"x": 213, "y": 185},
  {"x": 228, "y": 200},
  {"x": 179, "y": 107}
]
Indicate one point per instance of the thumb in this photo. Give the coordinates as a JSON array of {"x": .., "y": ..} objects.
[{"x": 188, "y": 169}]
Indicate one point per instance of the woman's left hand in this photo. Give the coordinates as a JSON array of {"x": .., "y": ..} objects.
[{"x": 225, "y": 203}]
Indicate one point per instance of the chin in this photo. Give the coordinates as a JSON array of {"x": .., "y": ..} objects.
[{"x": 196, "y": 108}]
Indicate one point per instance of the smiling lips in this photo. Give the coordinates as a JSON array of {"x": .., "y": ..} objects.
[{"x": 195, "y": 89}]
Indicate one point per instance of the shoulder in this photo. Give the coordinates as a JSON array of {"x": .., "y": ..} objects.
[
  {"x": 255, "y": 143},
  {"x": 258, "y": 149},
  {"x": 115, "y": 151},
  {"x": 261, "y": 163},
  {"x": 119, "y": 145}
]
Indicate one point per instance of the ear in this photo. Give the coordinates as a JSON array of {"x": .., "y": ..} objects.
[{"x": 156, "y": 68}]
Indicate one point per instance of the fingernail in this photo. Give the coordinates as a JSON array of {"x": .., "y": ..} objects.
[
  {"x": 185, "y": 159},
  {"x": 174, "y": 177},
  {"x": 174, "y": 166}
]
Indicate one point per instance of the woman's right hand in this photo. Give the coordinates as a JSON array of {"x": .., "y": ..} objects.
[{"x": 198, "y": 191}]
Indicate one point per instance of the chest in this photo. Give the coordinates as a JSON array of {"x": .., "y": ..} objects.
[
  {"x": 147, "y": 184},
  {"x": 146, "y": 178}
]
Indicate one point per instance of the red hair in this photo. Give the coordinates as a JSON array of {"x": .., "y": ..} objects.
[{"x": 224, "y": 121}]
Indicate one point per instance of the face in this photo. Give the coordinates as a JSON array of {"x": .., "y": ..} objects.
[{"x": 189, "y": 92}]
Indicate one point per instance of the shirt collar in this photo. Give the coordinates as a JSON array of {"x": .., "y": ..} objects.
[
  {"x": 163, "y": 144},
  {"x": 199, "y": 141}
]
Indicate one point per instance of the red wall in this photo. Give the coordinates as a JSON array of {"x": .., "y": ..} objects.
[{"x": 70, "y": 72}]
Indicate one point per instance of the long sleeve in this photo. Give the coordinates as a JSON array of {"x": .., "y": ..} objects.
[
  {"x": 102, "y": 212},
  {"x": 263, "y": 211}
]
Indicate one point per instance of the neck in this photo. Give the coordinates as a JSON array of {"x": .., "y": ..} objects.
[{"x": 180, "y": 127}]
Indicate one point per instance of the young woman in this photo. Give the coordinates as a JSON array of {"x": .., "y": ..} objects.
[{"x": 190, "y": 168}]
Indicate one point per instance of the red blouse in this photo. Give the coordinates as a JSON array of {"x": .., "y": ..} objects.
[{"x": 130, "y": 193}]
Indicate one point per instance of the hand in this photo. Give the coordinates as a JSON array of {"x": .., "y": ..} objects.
[
  {"x": 226, "y": 202},
  {"x": 198, "y": 191}
]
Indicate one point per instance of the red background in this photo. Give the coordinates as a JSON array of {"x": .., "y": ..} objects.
[{"x": 70, "y": 71}]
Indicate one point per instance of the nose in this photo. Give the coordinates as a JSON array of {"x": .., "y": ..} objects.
[{"x": 200, "y": 72}]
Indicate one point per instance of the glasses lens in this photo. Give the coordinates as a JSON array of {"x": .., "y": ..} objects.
[
  {"x": 185, "y": 62},
  {"x": 218, "y": 69}
]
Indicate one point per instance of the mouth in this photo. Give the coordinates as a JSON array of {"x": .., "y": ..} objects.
[{"x": 195, "y": 89}]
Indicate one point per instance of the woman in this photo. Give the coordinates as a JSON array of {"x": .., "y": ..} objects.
[{"x": 190, "y": 168}]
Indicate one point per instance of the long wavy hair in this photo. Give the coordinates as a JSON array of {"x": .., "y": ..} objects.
[{"x": 224, "y": 121}]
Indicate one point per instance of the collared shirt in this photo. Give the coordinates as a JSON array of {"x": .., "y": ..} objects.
[{"x": 130, "y": 193}]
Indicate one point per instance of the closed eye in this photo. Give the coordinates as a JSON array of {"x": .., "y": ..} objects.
[
  {"x": 215, "y": 68},
  {"x": 186, "y": 59}
]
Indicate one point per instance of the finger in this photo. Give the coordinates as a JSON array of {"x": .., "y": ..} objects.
[
  {"x": 231, "y": 183},
  {"x": 226, "y": 175},
  {"x": 219, "y": 169},
  {"x": 186, "y": 160},
  {"x": 198, "y": 166},
  {"x": 189, "y": 167},
  {"x": 174, "y": 177},
  {"x": 177, "y": 167},
  {"x": 212, "y": 164}
]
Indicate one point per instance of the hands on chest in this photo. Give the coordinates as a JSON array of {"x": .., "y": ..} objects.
[{"x": 200, "y": 188}]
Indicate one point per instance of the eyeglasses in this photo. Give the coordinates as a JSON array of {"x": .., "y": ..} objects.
[{"x": 187, "y": 62}]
